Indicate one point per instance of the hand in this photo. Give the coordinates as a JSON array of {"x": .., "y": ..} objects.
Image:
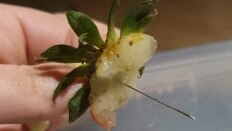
[{"x": 26, "y": 89}]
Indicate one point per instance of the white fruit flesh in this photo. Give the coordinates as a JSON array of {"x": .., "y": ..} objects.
[{"x": 119, "y": 64}]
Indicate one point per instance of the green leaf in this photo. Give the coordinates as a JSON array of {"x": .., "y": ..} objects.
[
  {"x": 88, "y": 53},
  {"x": 81, "y": 71},
  {"x": 111, "y": 35},
  {"x": 68, "y": 54},
  {"x": 138, "y": 18},
  {"x": 62, "y": 53},
  {"x": 141, "y": 70},
  {"x": 79, "y": 103},
  {"x": 82, "y": 24}
]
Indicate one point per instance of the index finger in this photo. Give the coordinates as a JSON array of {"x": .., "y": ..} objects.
[{"x": 32, "y": 32}]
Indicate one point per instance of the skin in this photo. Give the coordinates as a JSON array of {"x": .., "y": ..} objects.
[{"x": 26, "y": 87}]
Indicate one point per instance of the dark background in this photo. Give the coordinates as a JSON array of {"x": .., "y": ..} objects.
[{"x": 180, "y": 23}]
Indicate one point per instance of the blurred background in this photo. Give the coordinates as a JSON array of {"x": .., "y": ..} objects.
[{"x": 180, "y": 23}]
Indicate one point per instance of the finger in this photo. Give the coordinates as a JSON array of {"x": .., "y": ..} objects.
[
  {"x": 11, "y": 127},
  {"x": 26, "y": 33},
  {"x": 57, "y": 122},
  {"x": 26, "y": 92}
]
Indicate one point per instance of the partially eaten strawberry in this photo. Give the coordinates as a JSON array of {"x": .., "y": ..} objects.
[{"x": 119, "y": 64}]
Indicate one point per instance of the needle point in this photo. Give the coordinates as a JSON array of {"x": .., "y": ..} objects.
[{"x": 194, "y": 118}]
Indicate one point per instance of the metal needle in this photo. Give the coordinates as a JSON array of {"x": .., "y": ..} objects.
[{"x": 173, "y": 108}]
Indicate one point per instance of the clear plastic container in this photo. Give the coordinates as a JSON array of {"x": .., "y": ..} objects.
[{"x": 197, "y": 80}]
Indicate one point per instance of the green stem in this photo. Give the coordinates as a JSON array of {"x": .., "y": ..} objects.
[{"x": 111, "y": 35}]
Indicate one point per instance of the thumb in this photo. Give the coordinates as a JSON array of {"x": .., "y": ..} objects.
[{"x": 26, "y": 92}]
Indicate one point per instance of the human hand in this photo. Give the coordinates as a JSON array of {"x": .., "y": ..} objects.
[{"x": 26, "y": 89}]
